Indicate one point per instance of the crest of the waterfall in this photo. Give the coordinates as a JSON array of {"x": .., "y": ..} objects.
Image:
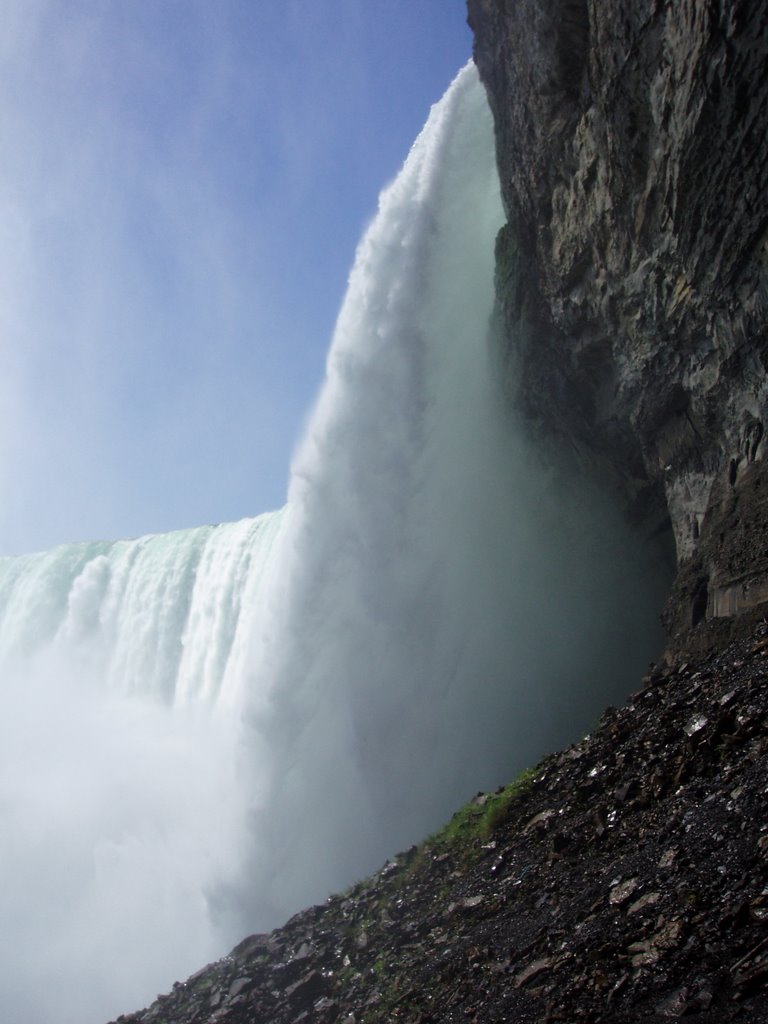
[
  {"x": 169, "y": 615},
  {"x": 446, "y": 607}
]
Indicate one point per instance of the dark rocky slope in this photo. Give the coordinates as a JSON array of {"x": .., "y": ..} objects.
[
  {"x": 633, "y": 151},
  {"x": 627, "y": 877},
  {"x": 624, "y": 879}
]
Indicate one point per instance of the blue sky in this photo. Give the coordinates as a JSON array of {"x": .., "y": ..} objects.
[{"x": 182, "y": 189}]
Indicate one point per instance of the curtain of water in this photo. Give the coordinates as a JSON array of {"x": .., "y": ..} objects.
[{"x": 433, "y": 610}]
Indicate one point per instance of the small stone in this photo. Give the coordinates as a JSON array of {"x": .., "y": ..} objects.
[
  {"x": 627, "y": 791},
  {"x": 647, "y": 959},
  {"x": 695, "y": 725},
  {"x": 325, "y": 1005},
  {"x": 480, "y": 799},
  {"x": 618, "y": 987},
  {"x": 532, "y": 971},
  {"x": 237, "y": 987},
  {"x": 307, "y": 988},
  {"x": 540, "y": 821},
  {"x": 638, "y": 947},
  {"x": 702, "y": 1000},
  {"x": 644, "y": 902},
  {"x": 668, "y": 858},
  {"x": 620, "y": 893},
  {"x": 668, "y": 937},
  {"x": 674, "y": 1006}
]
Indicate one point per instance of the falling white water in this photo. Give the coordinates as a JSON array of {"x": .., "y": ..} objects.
[
  {"x": 207, "y": 730},
  {"x": 448, "y": 608},
  {"x": 167, "y": 616}
]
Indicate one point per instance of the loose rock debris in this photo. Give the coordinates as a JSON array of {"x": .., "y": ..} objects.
[{"x": 627, "y": 881}]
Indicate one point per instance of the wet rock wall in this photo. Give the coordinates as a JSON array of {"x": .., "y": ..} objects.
[{"x": 633, "y": 152}]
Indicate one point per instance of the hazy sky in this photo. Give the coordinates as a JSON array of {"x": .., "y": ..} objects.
[{"x": 182, "y": 188}]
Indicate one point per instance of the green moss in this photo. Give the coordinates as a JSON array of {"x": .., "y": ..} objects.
[{"x": 472, "y": 825}]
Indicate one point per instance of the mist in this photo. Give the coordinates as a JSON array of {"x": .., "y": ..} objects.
[
  {"x": 120, "y": 823},
  {"x": 121, "y": 796},
  {"x": 207, "y": 730}
]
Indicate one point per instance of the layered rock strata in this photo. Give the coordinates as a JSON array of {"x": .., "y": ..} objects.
[{"x": 633, "y": 152}]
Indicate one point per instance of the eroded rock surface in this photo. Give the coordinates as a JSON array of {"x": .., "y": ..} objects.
[{"x": 633, "y": 152}]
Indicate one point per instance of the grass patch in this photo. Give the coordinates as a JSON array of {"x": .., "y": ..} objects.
[
  {"x": 475, "y": 822},
  {"x": 480, "y": 818}
]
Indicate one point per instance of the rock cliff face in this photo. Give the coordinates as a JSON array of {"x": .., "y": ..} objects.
[{"x": 633, "y": 151}]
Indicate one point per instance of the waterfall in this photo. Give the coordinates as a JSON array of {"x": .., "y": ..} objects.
[
  {"x": 167, "y": 615},
  {"x": 450, "y": 607},
  {"x": 206, "y": 730}
]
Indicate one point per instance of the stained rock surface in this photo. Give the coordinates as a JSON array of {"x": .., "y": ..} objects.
[
  {"x": 632, "y": 143},
  {"x": 623, "y": 879}
]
